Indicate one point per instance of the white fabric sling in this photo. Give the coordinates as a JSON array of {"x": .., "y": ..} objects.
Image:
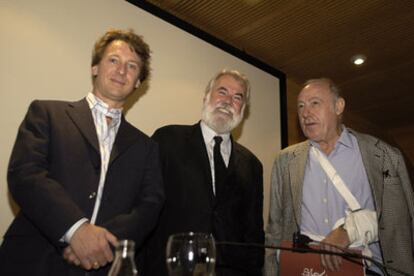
[
  {"x": 360, "y": 224},
  {"x": 336, "y": 180}
]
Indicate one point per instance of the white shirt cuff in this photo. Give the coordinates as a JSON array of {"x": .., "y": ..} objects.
[{"x": 68, "y": 235}]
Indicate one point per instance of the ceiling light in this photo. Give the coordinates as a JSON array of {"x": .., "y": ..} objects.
[{"x": 358, "y": 59}]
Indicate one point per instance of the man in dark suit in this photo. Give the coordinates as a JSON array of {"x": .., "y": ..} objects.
[
  {"x": 230, "y": 207},
  {"x": 83, "y": 176}
]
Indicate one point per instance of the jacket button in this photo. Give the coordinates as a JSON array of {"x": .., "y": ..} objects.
[{"x": 92, "y": 195}]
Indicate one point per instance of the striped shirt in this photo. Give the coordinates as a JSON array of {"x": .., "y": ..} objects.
[
  {"x": 106, "y": 136},
  {"x": 106, "y": 131}
]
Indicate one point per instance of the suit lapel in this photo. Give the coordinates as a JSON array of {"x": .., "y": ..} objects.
[
  {"x": 81, "y": 116},
  {"x": 199, "y": 150},
  {"x": 125, "y": 137},
  {"x": 373, "y": 157},
  {"x": 234, "y": 157},
  {"x": 296, "y": 170}
]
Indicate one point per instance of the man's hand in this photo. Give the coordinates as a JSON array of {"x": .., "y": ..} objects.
[
  {"x": 90, "y": 247},
  {"x": 70, "y": 256},
  {"x": 337, "y": 238}
]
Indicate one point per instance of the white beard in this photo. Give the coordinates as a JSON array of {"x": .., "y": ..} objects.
[{"x": 221, "y": 118}]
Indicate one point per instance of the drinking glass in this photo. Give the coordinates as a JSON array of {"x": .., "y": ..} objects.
[
  {"x": 191, "y": 254},
  {"x": 124, "y": 263}
]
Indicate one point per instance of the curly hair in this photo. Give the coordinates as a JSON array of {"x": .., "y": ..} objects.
[{"x": 136, "y": 42}]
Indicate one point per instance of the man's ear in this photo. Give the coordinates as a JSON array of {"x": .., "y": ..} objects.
[
  {"x": 94, "y": 70},
  {"x": 339, "y": 106},
  {"x": 242, "y": 110},
  {"x": 206, "y": 97},
  {"x": 138, "y": 83}
]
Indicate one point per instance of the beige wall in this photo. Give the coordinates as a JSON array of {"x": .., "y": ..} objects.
[{"x": 45, "y": 54}]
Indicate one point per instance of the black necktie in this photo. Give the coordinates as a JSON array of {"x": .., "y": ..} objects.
[{"x": 219, "y": 166}]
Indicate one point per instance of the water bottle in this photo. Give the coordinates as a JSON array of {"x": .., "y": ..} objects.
[{"x": 124, "y": 263}]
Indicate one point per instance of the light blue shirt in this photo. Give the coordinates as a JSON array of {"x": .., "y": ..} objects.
[
  {"x": 106, "y": 133},
  {"x": 322, "y": 205}
]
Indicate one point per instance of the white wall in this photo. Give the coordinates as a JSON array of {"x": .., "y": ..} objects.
[{"x": 45, "y": 53}]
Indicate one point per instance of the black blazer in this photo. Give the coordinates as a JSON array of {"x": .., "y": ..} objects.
[
  {"x": 53, "y": 175},
  {"x": 236, "y": 215}
]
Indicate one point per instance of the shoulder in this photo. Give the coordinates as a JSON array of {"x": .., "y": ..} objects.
[
  {"x": 57, "y": 105},
  {"x": 367, "y": 141},
  {"x": 52, "y": 107},
  {"x": 296, "y": 154},
  {"x": 50, "y": 104},
  {"x": 365, "y": 138},
  {"x": 175, "y": 133},
  {"x": 371, "y": 147},
  {"x": 172, "y": 130},
  {"x": 245, "y": 153},
  {"x": 133, "y": 132},
  {"x": 293, "y": 150}
]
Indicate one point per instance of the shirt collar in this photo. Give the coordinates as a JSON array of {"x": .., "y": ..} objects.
[
  {"x": 343, "y": 140},
  {"x": 96, "y": 103},
  {"x": 208, "y": 134}
]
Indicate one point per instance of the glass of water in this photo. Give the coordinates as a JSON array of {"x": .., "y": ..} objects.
[{"x": 191, "y": 254}]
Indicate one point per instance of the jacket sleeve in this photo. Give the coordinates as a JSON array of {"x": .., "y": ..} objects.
[
  {"x": 274, "y": 226},
  {"x": 41, "y": 198},
  {"x": 255, "y": 232},
  {"x": 408, "y": 190}
]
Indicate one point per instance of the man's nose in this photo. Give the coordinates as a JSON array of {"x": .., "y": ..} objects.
[
  {"x": 305, "y": 111},
  {"x": 122, "y": 68},
  {"x": 228, "y": 99}
]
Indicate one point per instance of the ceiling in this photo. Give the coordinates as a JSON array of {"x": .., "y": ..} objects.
[{"x": 308, "y": 39}]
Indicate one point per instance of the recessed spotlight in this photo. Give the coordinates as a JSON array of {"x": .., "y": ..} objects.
[{"x": 358, "y": 59}]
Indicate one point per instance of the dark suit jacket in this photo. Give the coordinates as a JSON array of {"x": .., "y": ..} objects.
[
  {"x": 53, "y": 175},
  {"x": 235, "y": 215}
]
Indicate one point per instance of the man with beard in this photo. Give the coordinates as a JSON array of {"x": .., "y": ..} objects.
[{"x": 230, "y": 206}]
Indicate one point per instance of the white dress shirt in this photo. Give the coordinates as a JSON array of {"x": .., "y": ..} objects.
[
  {"x": 106, "y": 133},
  {"x": 225, "y": 148}
]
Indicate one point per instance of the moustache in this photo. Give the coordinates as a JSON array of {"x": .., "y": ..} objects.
[{"x": 225, "y": 108}]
